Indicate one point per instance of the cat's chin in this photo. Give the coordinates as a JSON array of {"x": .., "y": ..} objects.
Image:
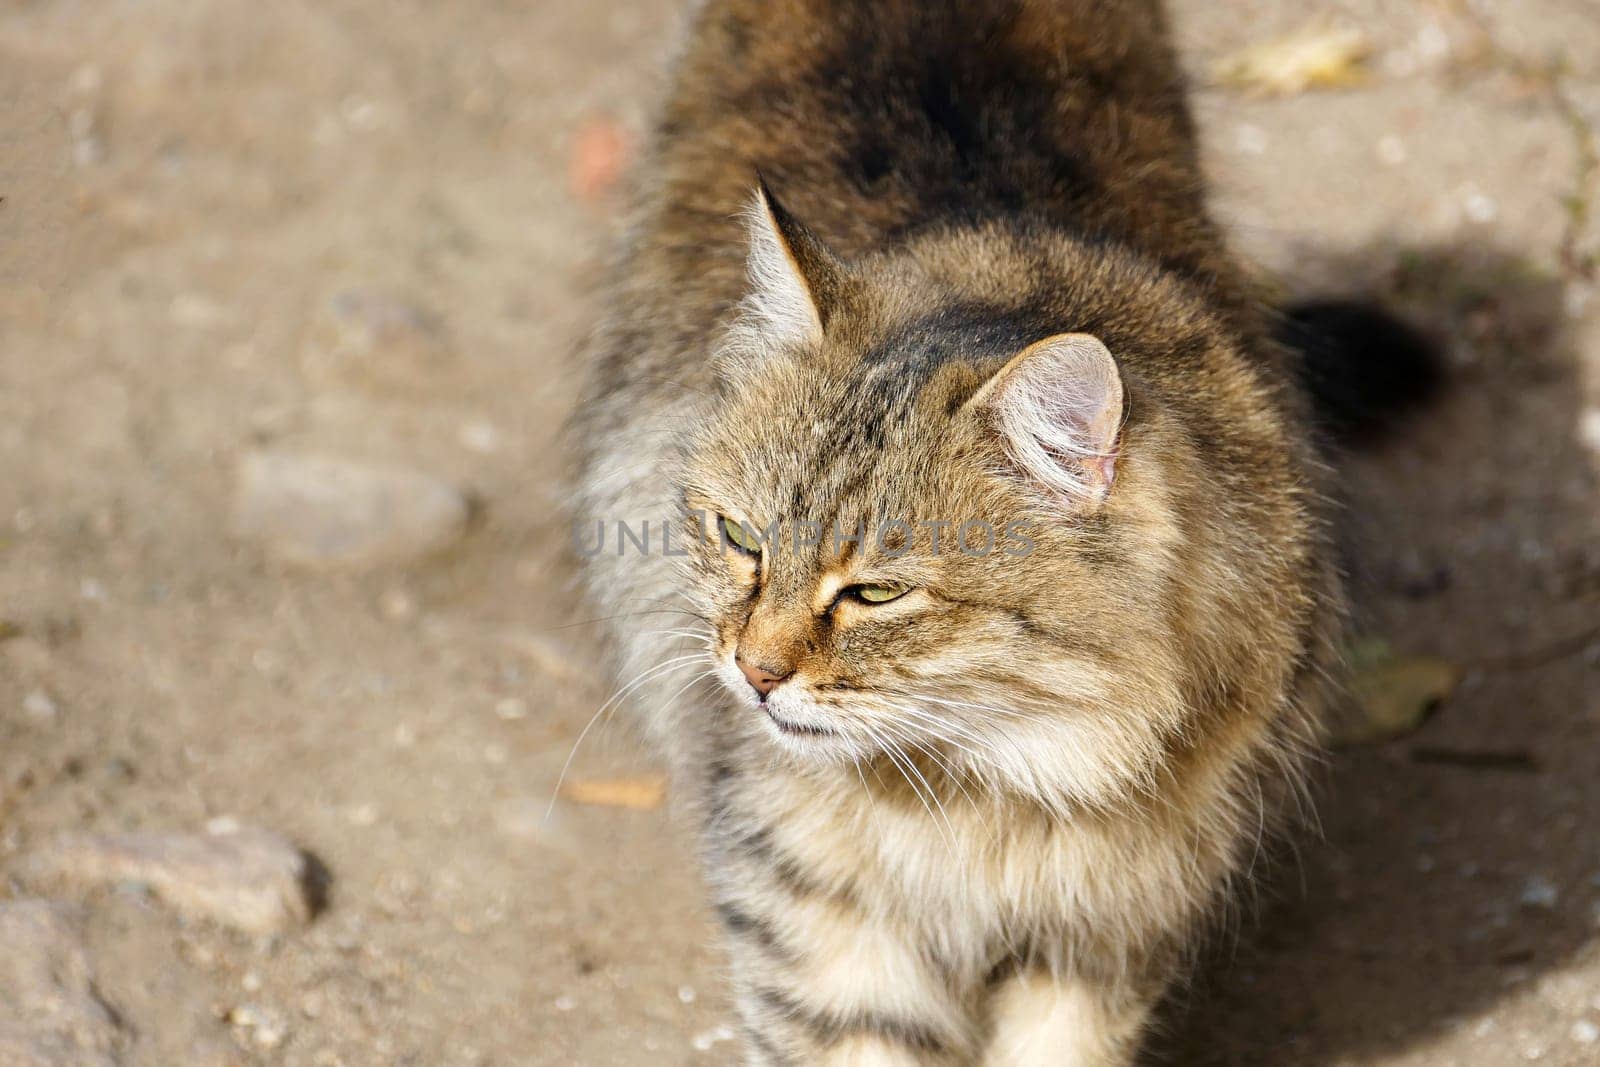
[
  {"x": 807, "y": 744},
  {"x": 798, "y": 732}
]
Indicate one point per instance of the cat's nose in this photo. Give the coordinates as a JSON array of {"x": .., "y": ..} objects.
[{"x": 761, "y": 680}]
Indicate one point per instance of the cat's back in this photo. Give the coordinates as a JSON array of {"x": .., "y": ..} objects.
[
  {"x": 875, "y": 119},
  {"x": 878, "y": 120}
]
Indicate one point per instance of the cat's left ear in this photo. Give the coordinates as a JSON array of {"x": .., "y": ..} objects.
[
  {"x": 795, "y": 281},
  {"x": 1058, "y": 407}
]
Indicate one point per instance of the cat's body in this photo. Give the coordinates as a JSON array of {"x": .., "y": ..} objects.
[{"x": 1090, "y": 738}]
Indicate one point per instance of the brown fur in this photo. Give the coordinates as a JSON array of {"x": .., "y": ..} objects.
[{"x": 1037, "y": 775}]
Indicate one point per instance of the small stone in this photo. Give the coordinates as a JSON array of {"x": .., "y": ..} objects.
[
  {"x": 1480, "y": 207},
  {"x": 480, "y": 436},
  {"x": 249, "y": 879},
  {"x": 1539, "y": 892},
  {"x": 1584, "y": 1032},
  {"x": 1576, "y": 297},
  {"x": 1589, "y": 429},
  {"x": 565, "y": 1003},
  {"x": 512, "y": 709},
  {"x": 320, "y": 511},
  {"x": 265, "y": 1028},
  {"x": 1251, "y": 139},
  {"x": 397, "y": 605},
  {"x": 86, "y": 80},
  {"x": 197, "y": 311},
  {"x": 686, "y": 994},
  {"x": 88, "y": 142},
  {"x": 363, "y": 815},
  {"x": 50, "y": 1015},
  {"x": 38, "y": 705},
  {"x": 703, "y": 1041},
  {"x": 251, "y": 982}
]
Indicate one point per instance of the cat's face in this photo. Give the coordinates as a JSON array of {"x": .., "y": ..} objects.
[
  {"x": 908, "y": 550},
  {"x": 815, "y": 521}
]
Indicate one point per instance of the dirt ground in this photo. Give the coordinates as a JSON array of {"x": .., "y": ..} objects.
[{"x": 350, "y": 230}]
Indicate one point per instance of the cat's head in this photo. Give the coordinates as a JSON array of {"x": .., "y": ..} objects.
[{"x": 923, "y": 522}]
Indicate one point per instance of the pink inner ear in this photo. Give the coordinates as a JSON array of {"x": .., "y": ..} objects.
[{"x": 1059, "y": 406}]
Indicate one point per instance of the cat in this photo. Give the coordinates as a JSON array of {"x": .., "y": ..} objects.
[{"x": 904, "y": 280}]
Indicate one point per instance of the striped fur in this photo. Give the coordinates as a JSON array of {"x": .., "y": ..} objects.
[{"x": 983, "y": 822}]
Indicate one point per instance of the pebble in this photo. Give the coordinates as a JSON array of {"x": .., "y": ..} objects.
[
  {"x": 1251, "y": 139},
  {"x": 363, "y": 815},
  {"x": 38, "y": 705},
  {"x": 1584, "y": 1032},
  {"x": 246, "y": 878},
  {"x": 88, "y": 142},
  {"x": 1589, "y": 429},
  {"x": 703, "y": 1041},
  {"x": 524, "y": 817},
  {"x": 266, "y": 1029},
  {"x": 1539, "y": 892},
  {"x": 49, "y": 1013},
  {"x": 397, "y": 605},
  {"x": 512, "y": 709},
  {"x": 1480, "y": 207},
  {"x": 480, "y": 436},
  {"x": 323, "y": 511}
]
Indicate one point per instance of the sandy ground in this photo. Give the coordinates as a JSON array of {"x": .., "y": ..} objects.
[{"x": 347, "y": 229}]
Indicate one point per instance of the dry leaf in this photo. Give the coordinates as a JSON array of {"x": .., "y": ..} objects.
[
  {"x": 1315, "y": 57},
  {"x": 1393, "y": 694},
  {"x": 644, "y": 793}
]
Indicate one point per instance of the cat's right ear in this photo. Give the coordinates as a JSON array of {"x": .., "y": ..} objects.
[
  {"x": 1058, "y": 408},
  {"x": 795, "y": 282}
]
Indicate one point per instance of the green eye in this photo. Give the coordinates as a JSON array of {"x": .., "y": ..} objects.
[
  {"x": 878, "y": 594},
  {"x": 740, "y": 538}
]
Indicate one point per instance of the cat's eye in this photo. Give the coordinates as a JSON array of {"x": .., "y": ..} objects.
[
  {"x": 741, "y": 538},
  {"x": 878, "y": 594}
]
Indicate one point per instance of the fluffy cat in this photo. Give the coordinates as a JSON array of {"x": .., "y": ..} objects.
[{"x": 954, "y": 807}]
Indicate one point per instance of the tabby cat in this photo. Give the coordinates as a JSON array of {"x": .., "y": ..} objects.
[{"x": 987, "y": 599}]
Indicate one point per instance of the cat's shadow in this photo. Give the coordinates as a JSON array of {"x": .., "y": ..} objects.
[{"x": 1456, "y": 866}]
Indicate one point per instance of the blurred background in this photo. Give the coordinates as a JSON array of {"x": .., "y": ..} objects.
[{"x": 290, "y": 296}]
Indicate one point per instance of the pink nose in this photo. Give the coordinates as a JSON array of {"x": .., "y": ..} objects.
[{"x": 761, "y": 680}]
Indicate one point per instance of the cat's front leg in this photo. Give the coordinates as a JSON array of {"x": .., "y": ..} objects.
[
  {"x": 819, "y": 985},
  {"x": 1043, "y": 1020}
]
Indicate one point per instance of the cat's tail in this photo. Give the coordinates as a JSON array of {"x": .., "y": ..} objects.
[{"x": 1364, "y": 367}]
